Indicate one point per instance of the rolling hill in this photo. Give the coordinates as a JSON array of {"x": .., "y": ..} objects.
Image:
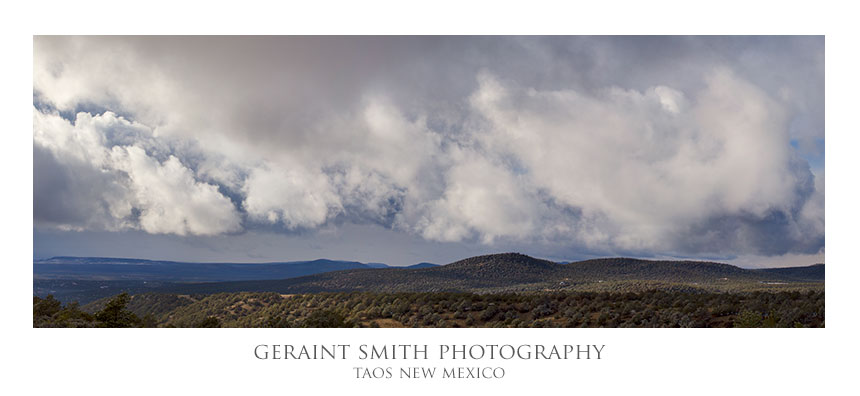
[
  {"x": 507, "y": 290},
  {"x": 812, "y": 273},
  {"x": 89, "y": 279},
  {"x": 513, "y": 272}
]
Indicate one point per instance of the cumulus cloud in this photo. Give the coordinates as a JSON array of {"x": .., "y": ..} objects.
[
  {"x": 481, "y": 199},
  {"x": 170, "y": 200},
  {"x": 295, "y": 197},
  {"x": 102, "y": 185},
  {"x": 649, "y": 163},
  {"x": 492, "y": 141}
]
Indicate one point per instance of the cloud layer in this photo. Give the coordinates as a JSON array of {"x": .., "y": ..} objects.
[{"x": 700, "y": 146}]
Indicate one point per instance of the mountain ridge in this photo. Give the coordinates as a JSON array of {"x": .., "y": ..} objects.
[
  {"x": 493, "y": 273},
  {"x": 112, "y": 268},
  {"x": 509, "y": 272}
]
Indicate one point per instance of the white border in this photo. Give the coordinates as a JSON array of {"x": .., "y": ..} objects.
[{"x": 700, "y": 361}]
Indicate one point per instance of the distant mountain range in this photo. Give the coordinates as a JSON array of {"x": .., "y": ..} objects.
[
  {"x": 104, "y": 269},
  {"x": 92, "y": 278},
  {"x": 511, "y": 272}
]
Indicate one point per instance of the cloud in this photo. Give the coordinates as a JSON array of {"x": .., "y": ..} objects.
[
  {"x": 624, "y": 154},
  {"x": 168, "y": 197},
  {"x": 84, "y": 181},
  {"x": 481, "y": 199},
  {"x": 295, "y": 197},
  {"x": 494, "y": 141}
]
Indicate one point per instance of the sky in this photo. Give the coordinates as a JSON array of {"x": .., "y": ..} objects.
[{"x": 429, "y": 149}]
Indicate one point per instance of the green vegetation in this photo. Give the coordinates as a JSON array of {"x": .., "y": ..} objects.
[
  {"x": 652, "y": 308},
  {"x": 500, "y": 290},
  {"x": 48, "y": 312},
  {"x": 115, "y": 314}
]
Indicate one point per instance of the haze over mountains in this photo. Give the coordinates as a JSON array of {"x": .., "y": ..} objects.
[
  {"x": 86, "y": 278},
  {"x": 104, "y": 268}
]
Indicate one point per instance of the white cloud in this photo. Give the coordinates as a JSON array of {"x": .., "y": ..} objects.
[
  {"x": 170, "y": 200},
  {"x": 296, "y": 197},
  {"x": 167, "y": 196},
  {"x": 649, "y": 164},
  {"x": 481, "y": 198},
  {"x": 487, "y": 153}
]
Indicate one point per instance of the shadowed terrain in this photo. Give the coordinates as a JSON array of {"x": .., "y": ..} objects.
[
  {"x": 513, "y": 272},
  {"x": 498, "y": 290}
]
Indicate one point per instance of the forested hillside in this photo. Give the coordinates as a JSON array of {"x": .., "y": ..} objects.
[
  {"x": 587, "y": 309},
  {"x": 500, "y": 290}
]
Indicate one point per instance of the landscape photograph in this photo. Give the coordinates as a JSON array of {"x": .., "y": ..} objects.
[{"x": 428, "y": 181}]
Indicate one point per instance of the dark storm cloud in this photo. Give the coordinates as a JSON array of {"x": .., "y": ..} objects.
[{"x": 688, "y": 145}]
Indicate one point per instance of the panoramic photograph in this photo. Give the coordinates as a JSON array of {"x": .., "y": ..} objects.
[{"x": 428, "y": 181}]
